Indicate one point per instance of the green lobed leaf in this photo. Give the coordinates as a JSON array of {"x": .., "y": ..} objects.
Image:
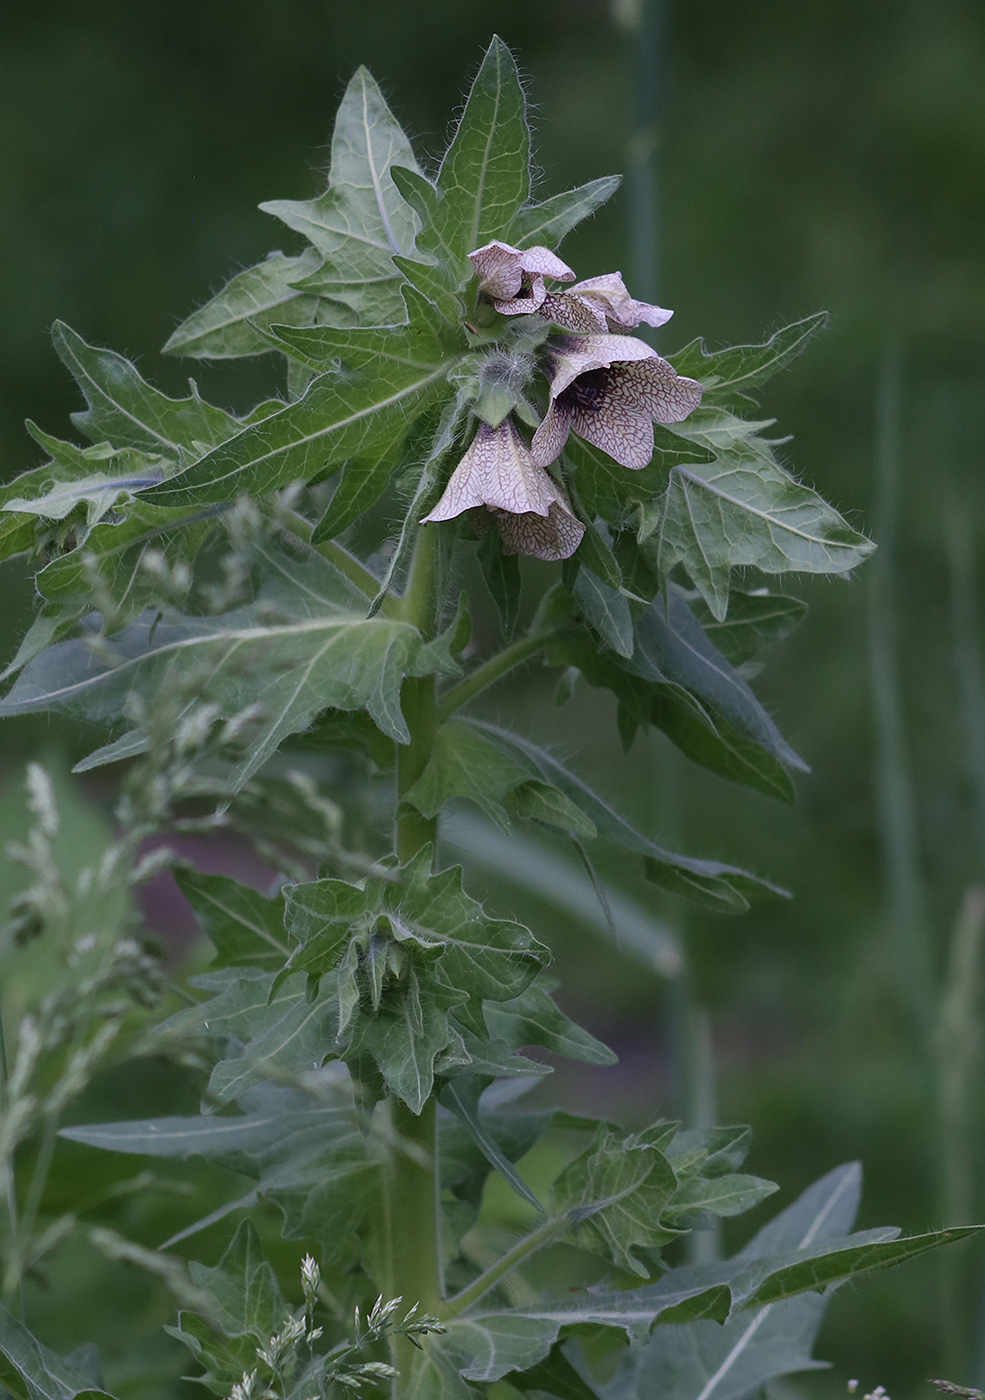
[
  {"x": 304, "y": 645},
  {"x": 464, "y": 763},
  {"x": 534, "y": 1018},
  {"x": 126, "y": 411},
  {"x": 754, "y": 621},
  {"x": 29, "y": 1371},
  {"x": 71, "y": 492},
  {"x": 733, "y": 1361},
  {"x": 243, "y": 1287},
  {"x": 711, "y": 881},
  {"x": 744, "y": 510},
  {"x": 616, "y": 1192},
  {"x": 361, "y": 220},
  {"x": 489, "y": 1343},
  {"x": 245, "y": 929},
  {"x": 126, "y": 553},
  {"x": 727, "y": 376},
  {"x": 413, "y": 960},
  {"x": 483, "y": 180},
  {"x": 274, "y": 1033},
  {"x": 604, "y": 488},
  {"x": 339, "y": 416},
  {"x": 550, "y": 221},
  {"x": 314, "y": 1161},
  {"x": 231, "y": 323},
  {"x": 673, "y": 650},
  {"x": 245, "y": 1308}
]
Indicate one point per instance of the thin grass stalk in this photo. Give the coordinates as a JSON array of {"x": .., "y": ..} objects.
[
  {"x": 968, "y": 660},
  {"x": 957, "y": 1049},
  {"x": 959, "y": 1040},
  {"x": 10, "y": 1183},
  {"x": 896, "y": 812}
]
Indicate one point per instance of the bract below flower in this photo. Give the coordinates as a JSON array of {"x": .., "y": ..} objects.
[
  {"x": 529, "y": 508},
  {"x": 610, "y": 389},
  {"x": 513, "y": 278},
  {"x": 599, "y": 304}
]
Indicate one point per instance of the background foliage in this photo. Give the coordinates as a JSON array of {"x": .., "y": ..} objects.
[{"x": 828, "y": 156}]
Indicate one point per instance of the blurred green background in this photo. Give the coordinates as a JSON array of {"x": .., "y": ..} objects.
[{"x": 820, "y": 155}]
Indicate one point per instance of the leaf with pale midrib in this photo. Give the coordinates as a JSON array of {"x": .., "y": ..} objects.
[{"x": 303, "y": 646}]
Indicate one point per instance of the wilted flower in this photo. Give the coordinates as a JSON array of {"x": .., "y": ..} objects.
[
  {"x": 513, "y": 278},
  {"x": 598, "y": 305},
  {"x": 610, "y": 389},
  {"x": 529, "y": 508}
]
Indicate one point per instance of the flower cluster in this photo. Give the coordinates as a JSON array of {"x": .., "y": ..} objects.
[{"x": 604, "y": 386}]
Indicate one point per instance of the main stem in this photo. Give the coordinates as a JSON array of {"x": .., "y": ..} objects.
[{"x": 415, "y": 1260}]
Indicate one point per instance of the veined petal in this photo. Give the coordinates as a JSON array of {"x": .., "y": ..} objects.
[
  {"x": 573, "y": 356},
  {"x": 610, "y": 389},
  {"x": 609, "y": 295},
  {"x": 556, "y": 537},
  {"x": 498, "y": 269},
  {"x": 573, "y": 313},
  {"x": 502, "y": 269},
  {"x": 530, "y": 299},
  {"x": 551, "y": 435},
  {"x": 624, "y": 432},
  {"x": 497, "y": 471},
  {"x": 648, "y": 388}
]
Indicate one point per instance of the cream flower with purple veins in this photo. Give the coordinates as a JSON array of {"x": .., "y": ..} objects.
[
  {"x": 497, "y": 473},
  {"x": 513, "y": 278},
  {"x": 610, "y": 389},
  {"x": 598, "y": 305}
]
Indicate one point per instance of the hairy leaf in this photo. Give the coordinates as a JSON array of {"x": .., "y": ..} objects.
[
  {"x": 744, "y": 510},
  {"x": 549, "y": 222},
  {"x": 340, "y": 415},
  {"x": 315, "y": 1161},
  {"x": 245, "y": 929},
  {"x": 616, "y": 1191},
  {"x": 674, "y": 652},
  {"x": 413, "y": 960},
  {"x": 489, "y": 1343},
  {"x": 124, "y": 409},
  {"x": 361, "y": 220},
  {"x": 483, "y": 180},
  {"x": 604, "y": 488},
  {"x": 754, "y": 621},
  {"x": 29, "y": 1371},
  {"x": 719, "y": 885},
  {"x": 464, "y": 763},
  {"x": 733, "y": 1361},
  {"x": 534, "y": 1018},
  {"x": 231, "y": 323},
  {"x": 727, "y": 376},
  {"x": 304, "y": 645}
]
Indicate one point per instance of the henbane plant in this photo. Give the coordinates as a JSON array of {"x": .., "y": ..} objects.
[{"x": 270, "y": 614}]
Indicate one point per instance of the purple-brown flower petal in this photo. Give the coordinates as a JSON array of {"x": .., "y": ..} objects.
[
  {"x": 497, "y": 472},
  {"x": 610, "y": 390},
  {"x": 597, "y": 304},
  {"x": 514, "y": 277},
  {"x": 553, "y": 539}
]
